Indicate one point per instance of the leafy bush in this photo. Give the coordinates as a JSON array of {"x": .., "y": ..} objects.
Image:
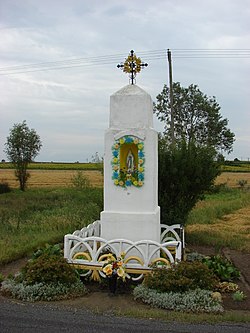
[
  {"x": 181, "y": 277},
  {"x": 186, "y": 172},
  {"x": 197, "y": 300},
  {"x": 4, "y": 188},
  {"x": 41, "y": 291},
  {"x": 49, "y": 250},
  {"x": 223, "y": 268},
  {"x": 48, "y": 269},
  {"x": 80, "y": 181},
  {"x": 47, "y": 276},
  {"x": 238, "y": 296}
]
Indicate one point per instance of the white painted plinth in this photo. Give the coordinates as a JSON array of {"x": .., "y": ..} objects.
[{"x": 132, "y": 226}]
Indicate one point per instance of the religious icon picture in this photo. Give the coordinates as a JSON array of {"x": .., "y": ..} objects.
[{"x": 128, "y": 161}]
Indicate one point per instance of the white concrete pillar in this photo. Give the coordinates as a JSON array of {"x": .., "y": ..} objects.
[{"x": 131, "y": 208}]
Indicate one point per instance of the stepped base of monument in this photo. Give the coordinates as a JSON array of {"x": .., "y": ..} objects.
[{"x": 131, "y": 225}]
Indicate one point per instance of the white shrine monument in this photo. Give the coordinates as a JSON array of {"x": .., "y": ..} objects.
[
  {"x": 130, "y": 222},
  {"x": 131, "y": 208}
]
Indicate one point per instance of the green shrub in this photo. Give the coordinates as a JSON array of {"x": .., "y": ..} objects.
[
  {"x": 197, "y": 300},
  {"x": 41, "y": 291},
  {"x": 181, "y": 277},
  {"x": 223, "y": 268},
  {"x": 238, "y": 296},
  {"x": 4, "y": 188},
  {"x": 80, "y": 181},
  {"x": 49, "y": 250},
  {"x": 186, "y": 172},
  {"x": 48, "y": 269},
  {"x": 47, "y": 276}
]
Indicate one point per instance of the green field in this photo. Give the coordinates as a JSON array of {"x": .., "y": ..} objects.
[
  {"x": 56, "y": 166},
  {"x": 244, "y": 167},
  {"x": 229, "y": 166}
]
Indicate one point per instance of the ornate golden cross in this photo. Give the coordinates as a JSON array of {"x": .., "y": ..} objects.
[{"x": 132, "y": 66}]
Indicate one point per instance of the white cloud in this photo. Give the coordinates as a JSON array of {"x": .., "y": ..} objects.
[{"x": 69, "y": 108}]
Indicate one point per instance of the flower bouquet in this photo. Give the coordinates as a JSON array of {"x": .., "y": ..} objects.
[{"x": 114, "y": 268}]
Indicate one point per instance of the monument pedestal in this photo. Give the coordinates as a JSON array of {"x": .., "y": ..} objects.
[{"x": 132, "y": 226}]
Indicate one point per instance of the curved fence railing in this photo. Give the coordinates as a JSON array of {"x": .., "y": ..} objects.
[{"x": 86, "y": 251}]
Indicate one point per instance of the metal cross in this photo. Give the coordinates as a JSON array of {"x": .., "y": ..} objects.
[{"x": 132, "y": 66}]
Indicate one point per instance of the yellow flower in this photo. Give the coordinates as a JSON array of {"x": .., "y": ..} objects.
[
  {"x": 115, "y": 159},
  {"x": 123, "y": 254},
  {"x": 136, "y": 141},
  {"x": 119, "y": 263},
  {"x": 140, "y": 183},
  {"x": 217, "y": 296},
  {"x": 140, "y": 146},
  {"x": 116, "y": 182},
  {"x": 121, "y": 183},
  {"x": 121, "y": 141},
  {"x": 120, "y": 272},
  {"x": 141, "y": 169},
  {"x": 135, "y": 182},
  {"x": 108, "y": 269}
]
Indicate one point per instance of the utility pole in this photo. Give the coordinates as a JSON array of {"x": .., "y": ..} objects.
[{"x": 171, "y": 98}]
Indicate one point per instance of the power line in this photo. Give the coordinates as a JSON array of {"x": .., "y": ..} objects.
[
  {"x": 115, "y": 58},
  {"x": 79, "y": 62}
]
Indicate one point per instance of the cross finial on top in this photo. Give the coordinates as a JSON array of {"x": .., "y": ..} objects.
[{"x": 132, "y": 65}]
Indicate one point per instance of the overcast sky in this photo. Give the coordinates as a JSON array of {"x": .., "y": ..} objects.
[{"x": 69, "y": 108}]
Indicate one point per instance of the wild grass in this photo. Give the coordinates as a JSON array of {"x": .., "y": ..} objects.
[
  {"x": 33, "y": 218},
  {"x": 232, "y": 179},
  {"x": 215, "y": 206},
  {"x": 221, "y": 220}
]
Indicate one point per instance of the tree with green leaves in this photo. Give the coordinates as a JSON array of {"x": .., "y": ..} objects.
[
  {"x": 197, "y": 118},
  {"x": 187, "y": 161},
  {"x": 22, "y": 146}
]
